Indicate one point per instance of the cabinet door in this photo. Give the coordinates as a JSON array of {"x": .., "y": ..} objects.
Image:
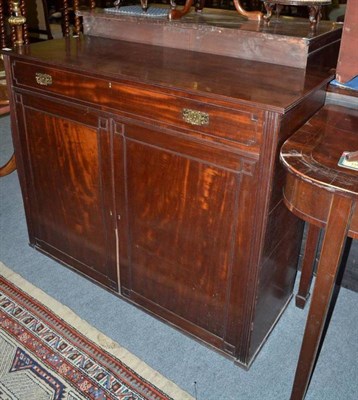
[
  {"x": 180, "y": 216},
  {"x": 65, "y": 158}
]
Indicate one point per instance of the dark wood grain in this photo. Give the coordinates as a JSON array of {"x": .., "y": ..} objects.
[
  {"x": 316, "y": 151},
  {"x": 308, "y": 265},
  {"x": 287, "y": 41},
  {"x": 69, "y": 185},
  {"x": 324, "y": 194},
  {"x": 166, "y": 194},
  {"x": 178, "y": 218},
  {"x": 10, "y": 165},
  {"x": 181, "y": 72}
]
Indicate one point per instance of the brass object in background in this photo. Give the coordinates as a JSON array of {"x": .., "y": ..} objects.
[
  {"x": 17, "y": 20},
  {"x": 199, "y": 5}
]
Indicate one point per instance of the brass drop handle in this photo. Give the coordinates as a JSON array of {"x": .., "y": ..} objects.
[
  {"x": 43, "y": 79},
  {"x": 195, "y": 117}
]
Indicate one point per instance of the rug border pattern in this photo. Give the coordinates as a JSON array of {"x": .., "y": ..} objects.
[{"x": 91, "y": 337}]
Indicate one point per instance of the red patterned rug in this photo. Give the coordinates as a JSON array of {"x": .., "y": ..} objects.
[{"x": 48, "y": 352}]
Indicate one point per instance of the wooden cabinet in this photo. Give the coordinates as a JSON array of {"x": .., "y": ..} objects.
[{"x": 162, "y": 182}]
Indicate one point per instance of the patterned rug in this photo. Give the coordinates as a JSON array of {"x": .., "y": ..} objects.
[{"x": 48, "y": 352}]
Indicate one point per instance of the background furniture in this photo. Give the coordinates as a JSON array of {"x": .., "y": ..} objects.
[
  {"x": 10, "y": 166},
  {"x": 26, "y": 19},
  {"x": 18, "y": 34},
  {"x": 38, "y": 20},
  {"x": 314, "y": 7},
  {"x": 348, "y": 56},
  {"x": 325, "y": 195},
  {"x": 289, "y": 42}
]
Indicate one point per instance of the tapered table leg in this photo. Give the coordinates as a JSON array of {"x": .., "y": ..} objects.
[
  {"x": 308, "y": 265},
  {"x": 333, "y": 243}
]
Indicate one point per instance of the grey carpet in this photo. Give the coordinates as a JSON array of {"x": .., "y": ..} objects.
[{"x": 180, "y": 358}]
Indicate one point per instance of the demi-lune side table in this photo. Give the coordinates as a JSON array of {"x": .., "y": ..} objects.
[{"x": 322, "y": 188}]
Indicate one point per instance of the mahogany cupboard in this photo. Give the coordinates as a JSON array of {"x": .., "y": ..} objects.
[{"x": 154, "y": 172}]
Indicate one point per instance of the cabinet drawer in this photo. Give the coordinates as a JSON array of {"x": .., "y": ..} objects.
[
  {"x": 242, "y": 128},
  {"x": 54, "y": 81},
  {"x": 230, "y": 126}
]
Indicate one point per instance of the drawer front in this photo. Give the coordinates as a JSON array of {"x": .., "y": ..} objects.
[
  {"x": 242, "y": 128},
  {"x": 230, "y": 126}
]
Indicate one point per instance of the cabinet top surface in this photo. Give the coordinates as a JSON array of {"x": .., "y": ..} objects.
[{"x": 218, "y": 78}]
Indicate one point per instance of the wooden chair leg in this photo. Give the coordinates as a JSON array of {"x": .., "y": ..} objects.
[
  {"x": 332, "y": 249},
  {"x": 308, "y": 265},
  {"x": 9, "y": 167}
]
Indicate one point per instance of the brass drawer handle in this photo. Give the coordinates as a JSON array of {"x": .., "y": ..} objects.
[
  {"x": 194, "y": 117},
  {"x": 43, "y": 79}
]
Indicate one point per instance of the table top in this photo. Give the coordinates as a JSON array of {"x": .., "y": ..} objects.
[
  {"x": 216, "y": 78},
  {"x": 314, "y": 151}
]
